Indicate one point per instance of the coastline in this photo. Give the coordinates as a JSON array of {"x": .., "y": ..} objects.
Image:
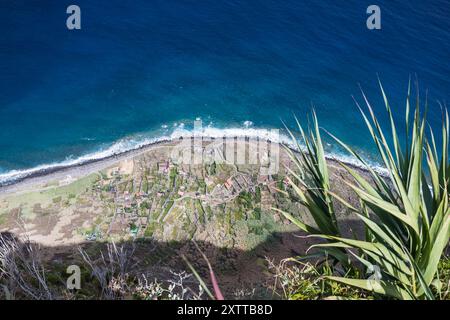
[
  {"x": 77, "y": 170},
  {"x": 89, "y": 166}
]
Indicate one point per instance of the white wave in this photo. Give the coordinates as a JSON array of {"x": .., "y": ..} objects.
[
  {"x": 130, "y": 144},
  {"x": 273, "y": 135},
  {"x": 117, "y": 148},
  {"x": 248, "y": 123}
]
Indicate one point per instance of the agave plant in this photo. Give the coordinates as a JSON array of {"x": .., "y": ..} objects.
[
  {"x": 311, "y": 183},
  {"x": 406, "y": 213}
]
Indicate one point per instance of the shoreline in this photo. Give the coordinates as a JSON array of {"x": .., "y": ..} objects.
[
  {"x": 77, "y": 170},
  {"x": 89, "y": 166}
]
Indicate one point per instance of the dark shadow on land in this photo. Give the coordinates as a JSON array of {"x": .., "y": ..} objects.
[
  {"x": 241, "y": 274},
  {"x": 237, "y": 270}
]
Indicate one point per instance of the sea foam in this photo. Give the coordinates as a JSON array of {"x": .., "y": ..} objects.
[{"x": 129, "y": 144}]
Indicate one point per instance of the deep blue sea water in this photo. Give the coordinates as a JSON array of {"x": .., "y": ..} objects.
[{"x": 138, "y": 69}]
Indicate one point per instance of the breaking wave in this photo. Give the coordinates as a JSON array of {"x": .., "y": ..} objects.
[{"x": 133, "y": 143}]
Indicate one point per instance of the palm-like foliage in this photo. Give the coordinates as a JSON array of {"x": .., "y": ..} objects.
[
  {"x": 312, "y": 186},
  {"x": 406, "y": 215},
  {"x": 312, "y": 182}
]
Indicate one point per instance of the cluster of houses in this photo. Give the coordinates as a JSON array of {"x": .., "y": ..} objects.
[
  {"x": 129, "y": 213},
  {"x": 238, "y": 183}
]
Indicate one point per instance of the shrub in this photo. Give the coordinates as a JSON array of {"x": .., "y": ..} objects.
[{"x": 406, "y": 214}]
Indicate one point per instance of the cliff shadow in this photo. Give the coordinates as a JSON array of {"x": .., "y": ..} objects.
[{"x": 240, "y": 273}]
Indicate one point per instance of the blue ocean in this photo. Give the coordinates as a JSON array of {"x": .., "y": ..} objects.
[{"x": 140, "y": 70}]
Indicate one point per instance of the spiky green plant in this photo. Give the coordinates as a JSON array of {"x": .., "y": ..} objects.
[
  {"x": 406, "y": 214},
  {"x": 311, "y": 183}
]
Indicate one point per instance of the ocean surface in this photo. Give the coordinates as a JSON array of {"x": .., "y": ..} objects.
[{"x": 141, "y": 70}]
